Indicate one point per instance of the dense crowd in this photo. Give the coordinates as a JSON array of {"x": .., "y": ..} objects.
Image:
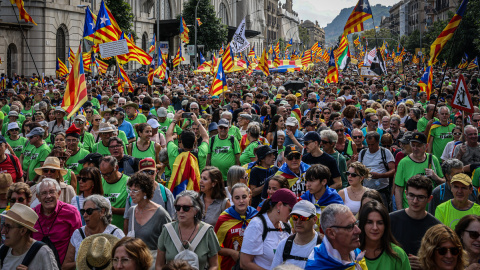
[{"x": 279, "y": 172}]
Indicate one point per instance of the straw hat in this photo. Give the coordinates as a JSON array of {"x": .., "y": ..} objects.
[
  {"x": 105, "y": 128},
  {"x": 5, "y": 182},
  {"x": 130, "y": 104},
  {"x": 95, "y": 252},
  {"x": 23, "y": 215},
  {"x": 51, "y": 163}
]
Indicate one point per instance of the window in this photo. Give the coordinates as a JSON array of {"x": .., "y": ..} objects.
[
  {"x": 12, "y": 60},
  {"x": 223, "y": 13},
  {"x": 60, "y": 43},
  {"x": 144, "y": 41}
]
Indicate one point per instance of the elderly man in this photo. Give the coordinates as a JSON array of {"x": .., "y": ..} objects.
[
  {"x": 119, "y": 113},
  {"x": 105, "y": 132},
  {"x": 233, "y": 130},
  {"x": 39, "y": 151},
  {"x": 18, "y": 229},
  {"x": 328, "y": 141},
  {"x": 165, "y": 122},
  {"x": 340, "y": 246},
  {"x": 56, "y": 220},
  {"x": 395, "y": 130},
  {"x": 133, "y": 117},
  {"x": 224, "y": 150},
  {"x": 440, "y": 133},
  {"x": 426, "y": 122},
  {"x": 194, "y": 108},
  {"x": 294, "y": 170},
  {"x": 468, "y": 152},
  {"x": 126, "y": 164},
  {"x": 114, "y": 183}
]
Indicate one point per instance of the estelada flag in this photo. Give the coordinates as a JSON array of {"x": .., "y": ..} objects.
[
  {"x": 123, "y": 75},
  {"x": 263, "y": 65},
  {"x": 105, "y": 31},
  {"x": 76, "y": 90},
  {"x": 332, "y": 73},
  {"x": 360, "y": 13},
  {"x": 185, "y": 174},
  {"x": 71, "y": 56},
  {"x": 22, "y": 13},
  {"x": 184, "y": 31}
]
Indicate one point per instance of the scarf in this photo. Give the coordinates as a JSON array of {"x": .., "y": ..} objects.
[
  {"x": 321, "y": 259},
  {"x": 292, "y": 178}
]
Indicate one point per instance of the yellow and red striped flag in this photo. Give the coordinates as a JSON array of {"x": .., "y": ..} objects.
[
  {"x": 61, "y": 69},
  {"x": 152, "y": 44},
  {"x": 71, "y": 56},
  {"x": 306, "y": 58},
  {"x": 447, "y": 33},
  {"x": 227, "y": 59},
  {"x": 178, "y": 57},
  {"x": 124, "y": 77},
  {"x": 332, "y": 72},
  {"x": 426, "y": 82},
  {"x": 263, "y": 65},
  {"x": 184, "y": 31},
  {"x": 357, "y": 41},
  {"x": 325, "y": 56},
  {"x": 219, "y": 84},
  {"x": 76, "y": 91},
  {"x": 473, "y": 64},
  {"x": 102, "y": 66},
  {"x": 22, "y": 13},
  {"x": 276, "y": 60},
  {"x": 277, "y": 48},
  {"x": 360, "y": 13},
  {"x": 105, "y": 31},
  {"x": 252, "y": 52},
  {"x": 134, "y": 54},
  {"x": 150, "y": 74},
  {"x": 199, "y": 23},
  {"x": 185, "y": 174}
]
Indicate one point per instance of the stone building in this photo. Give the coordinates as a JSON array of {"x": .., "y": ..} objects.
[{"x": 315, "y": 32}]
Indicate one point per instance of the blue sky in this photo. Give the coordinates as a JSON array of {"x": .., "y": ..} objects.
[{"x": 325, "y": 11}]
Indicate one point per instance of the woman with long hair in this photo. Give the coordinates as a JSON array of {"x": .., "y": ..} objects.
[
  {"x": 144, "y": 147},
  {"x": 402, "y": 111},
  {"x": 352, "y": 195},
  {"x": 441, "y": 249},
  {"x": 376, "y": 238},
  {"x": 212, "y": 194},
  {"x": 390, "y": 107},
  {"x": 89, "y": 183},
  {"x": 468, "y": 229},
  {"x": 277, "y": 123}
]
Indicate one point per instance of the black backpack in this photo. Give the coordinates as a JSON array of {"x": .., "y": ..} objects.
[
  {"x": 266, "y": 230},
  {"x": 32, "y": 252},
  {"x": 288, "y": 248},
  {"x": 212, "y": 142},
  {"x": 384, "y": 156}
]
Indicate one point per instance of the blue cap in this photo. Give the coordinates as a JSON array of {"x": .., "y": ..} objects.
[{"x": 213, "y": 126}]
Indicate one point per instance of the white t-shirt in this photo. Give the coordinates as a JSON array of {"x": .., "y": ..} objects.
[
  {"x": 253, "y": 245},
  {"x": 77, "y": 239},
  {"x": 448, "y": 150},
  {"x": 43, "y": 260},
  {"x": 375, "y": 164},
  {"x": 297, "y": 250}
]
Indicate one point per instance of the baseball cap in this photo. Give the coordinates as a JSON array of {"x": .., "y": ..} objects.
[
  {"x": 291, "y": 121},
  {"x": 12, "y": 125},
  {"x": 92, "y": 158},
  {"x": 36, "y": 131},
  {"x": 153, "y": 123},
  {"x": 285, "y": 196},
  {"x": 462, "y": 178},
  {"x": 292, "y": 149},
  {"x": 263, "y": 151},
  {"x": 81, "y": 117},
  {"x": 419, "y": 137},
  {"x": 213, "y": 126},
  {"x": 147, "y": 164},
  {"x": 59, "y": 109},
  {"x": 120, "y": 110},
  {"x": 409, "y": 102},
  {"x": 312, "y": 136},
  {"x": 370, "y": 110},
  {"x": 162, "y": 112},
  {"x": 246, "y": 116},
  {"x": 309, "y": 123},
  {"x": 304, "y": 208},
  {"x": 223, "y": 123}
]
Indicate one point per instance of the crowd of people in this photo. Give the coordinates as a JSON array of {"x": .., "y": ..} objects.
[{"x": 366, "y": 173}]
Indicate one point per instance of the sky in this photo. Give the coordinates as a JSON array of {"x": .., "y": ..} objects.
[{"x": 324, "y": 11}]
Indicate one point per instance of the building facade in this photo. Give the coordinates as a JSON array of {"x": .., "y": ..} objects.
[{"x": 315, "y": 33}]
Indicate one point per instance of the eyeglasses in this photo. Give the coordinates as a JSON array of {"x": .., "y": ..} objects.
[
  {"x": 222, "y": 127},
  {"x": 89, "y": 211},
  {"x": 134, "y": 191},
  {"x": 122, "y": 261},
  {"x": 325, "y": 142},
  {"x": 389, "y": 106},
  {"x": 348, "y": 228},
  {"x": 84, "y": 179},
  {"x": 245, "y": 109},
  {"x": 352, "y": 174},
  {"x": 79, "y": 122},
  {"x": 88, "y": 111},
  {"x": 306, "y": 143},
  {"x": 443, "y": 250},
  {"x": 50, "y": 192},
  {"x": 420, "y": 198},
  {"x": 149, "y": 172},
  {"x": 98, "y": 119},
  {"x": 21, "y": 200},
  {"x": 292, "y": 157},
  {"x": 302, "y": 218},
  {"x": 49, "y": 170},
  {"x": 339, "y": 131},
  {"x": 185, "y": 208},
  {"x": 15, "y": 129},
  {"x": 115, "y": 146},
  {"x": 357, "y": 137},
  {"x": 375, "y": 121},
  {"x": 108, "y": 174},
  {"x": 473, "y": 234},
  {"x": 8, "y": 227}
]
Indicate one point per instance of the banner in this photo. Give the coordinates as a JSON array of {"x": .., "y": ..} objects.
[{"x": 239, "y": 42}]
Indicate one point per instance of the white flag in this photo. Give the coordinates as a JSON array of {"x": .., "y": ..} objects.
[
  {"x": 239, "y": 42},
  {"x": 369, "y": 57}
]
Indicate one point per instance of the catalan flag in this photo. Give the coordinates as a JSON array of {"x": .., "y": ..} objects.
[
  {"x": 178, "y": 57},
  {"x": 252, "y": 52},
  {"x": 104, "y": 30},
  {"x": 463, "y": 64},
  {"x": 61, "y": 69},
  {"x": 277, "y": 48},
  {"x": 3, "y": 83},
  {"x": 360, "y": 13},
  {"x": 76, "y": 91},
  {"x": 185, "y": 174},
  {"x": 102, "y": 66},
  {"x": 270, "y": 51},
  {"x": 473, "y": 64},
  {"x": 357, "y": 41},
  {"x": 317, "y": 48},
  {"x": 87, "y": 61},
  {"x": 162, "y": 66},
  {"x": 415, "y": 59},
  {"x": 22, "y": 13},
  {"x": 123, "y": 75},
  {"x": 89, "y": 25},
  {"x": 134, "y": 54},
  {"x": 276, "y": 60},
  {"x": 120, "y": 84},
  {"x": 199, "y": 23},
  {"x": 444, "y": 63},
  {"x": 325, "y": 56},
  {"x": 227, "y": 59},
  {"x": 426, "y": 82},
  {"x": 184, "y": 31},
  {"x": 249, "y": 66},
  {"x": 332, "y": 72},
  {"x": 219, "y": 84},
  {"x": 71, "y": 56},
  {"x": 306, "y": 58},
  {"x": 152, "y": 44},
  {"x": 447, "y": 33},
  {"x": 263, "y": 65},
  {"x": 150, "y": 73},
  {"x": 289, "y": 44}
]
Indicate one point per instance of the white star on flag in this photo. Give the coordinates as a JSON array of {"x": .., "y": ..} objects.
[{"x": 103, "y": 20}]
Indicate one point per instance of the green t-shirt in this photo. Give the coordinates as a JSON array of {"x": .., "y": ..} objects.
[
  {"x": 25, "y": 112},
  {"x": 2, "y": 115},
  {"x": 235, "y": 132},
  {"x": 17, "y": 145},
  {"x": 342, "y": 167},
  {"x": 422, "y": 124},
  {"x": 223, "y": 154},
  {"x": 101, "y": 149},
  {"x": 441, "y": 136},
  {"x": 68, "y": 177},
  {"x": 87, "y": 141},
  {"x": 387, "y": 262},
  {"x": 6, "y": 109},
  {"x": 424, "y": 105},
  {"x": 27, "y": 151},
  {"x": 138, "y": 120},
  {"x": 123, "y": 136},
  {"x": 5, "y": 127},
  {"x": 164, "y": 126},
  {"x": 72, "y": 161},
  {"x": 248, "y": 153},
  {"x": 172, "y": 150},
  {"x": 36, "y": 158},
  {"x": 95, "y": 103},
  {"x": 149, "y": 153},
  {"x": 449, "y": 215},
  {"x": 117, "y": 194},
  {"x": 407, "y": 168}
]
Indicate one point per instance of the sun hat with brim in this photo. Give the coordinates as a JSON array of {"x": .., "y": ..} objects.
[
  {"x": 51, "y": 163},
  {"x": 95, "y": 252},
  {"x": 106, "y": 111},
  {"x": 130, "y": 104},
  {"x": 23, "y": 215},
  {"x": 105, "y": 127},
  {"x": 5, "y": 182},
  {"x": 12, "y": 125}
]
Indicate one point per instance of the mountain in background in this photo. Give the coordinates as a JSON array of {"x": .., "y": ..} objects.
[{"x": 334, "y": 29}]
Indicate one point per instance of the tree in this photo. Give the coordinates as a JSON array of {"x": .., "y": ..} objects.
[
  {"x": 122, "y": 12},
  {"x": 413, "y": 41},
  {"x": 213, "y": 33},
  {"x": 303, "y": 35}
]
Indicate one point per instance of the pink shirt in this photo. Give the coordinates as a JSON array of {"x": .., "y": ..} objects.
[{"x": 66, "y": 222}]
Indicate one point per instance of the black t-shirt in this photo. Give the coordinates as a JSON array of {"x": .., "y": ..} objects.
[
  {"x": 258, "y": 176},
  {"x": 408, "y": 231},
  {"x": 324, "y": 159},
  {"x": 410, "y": 124}
]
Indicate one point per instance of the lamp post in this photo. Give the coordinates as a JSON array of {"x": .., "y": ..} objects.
[
  {"x": 195, "y": 23},
  {"x": 158, "y": 30}
]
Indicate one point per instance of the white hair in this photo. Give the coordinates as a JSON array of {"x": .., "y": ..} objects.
[
  {"x": 194, "y": 103},
  {"x": 47, "y": 181},
  {"x": 122, "y": 99}
]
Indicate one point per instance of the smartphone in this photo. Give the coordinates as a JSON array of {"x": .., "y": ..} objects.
[{"x": 187, "y": 115}]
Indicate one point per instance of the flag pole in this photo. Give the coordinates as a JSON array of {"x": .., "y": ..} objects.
[{"x": 23, "y": 35}]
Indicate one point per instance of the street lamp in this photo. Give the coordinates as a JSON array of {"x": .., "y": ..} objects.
[{"x": 195, "y": 23}]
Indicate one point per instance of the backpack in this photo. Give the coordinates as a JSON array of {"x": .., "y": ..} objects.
[
  {"x": 383, "y": 153},
  {"x": 31, "y": 253},
  {"x": 288, "y": 248},
  {"x": 212, "y": 142},
  {"x": 266, "y": 230},
  {"x": 187, "y": 254}
]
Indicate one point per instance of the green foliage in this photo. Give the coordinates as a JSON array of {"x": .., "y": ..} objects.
[
  {"x": 122, "y": 11},
  {"x": 382, "y": 35},
  {"x": 413, "y": 41},
  {"x": 212, "y": 33},
  {"x": 303, "y": 35}
]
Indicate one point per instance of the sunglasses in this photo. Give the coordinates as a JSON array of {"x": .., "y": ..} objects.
[
  {"x": 185, "y": 208},
  {"x": 302, "y": 218},
  {"x": 89, "y": 211},
  {"x": 325, "y": 142},
  {"x": 374, "y": 121},
  {"x": 149, "y": 172},
  {"x": 443, "y": 251},
  {"x": 473, "y": 234},
  {"x": 352, "y": 174},
  {"x": 84, "y": 179},
  {"x": 49, "y": 170},
  {"x": 357, "y": 137},
  {"x": 88, "y": 111},
  {"x": 339, "y": 131},
  {"x": 457, "y": 133},
  {"x": 15, "y": 129},
  {"x": 294, "y": 156},
  {"x": 21, "y": 200}
]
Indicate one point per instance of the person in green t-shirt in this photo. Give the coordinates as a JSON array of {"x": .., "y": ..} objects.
[
  {"x": 164, "y": 122},
  {"x": 114, "y": 187},
  {"x": 224, "y": 150},
  {"x": 451, "y": 211},
  {"x": 106, "y": 131},
  {"x": 77, "y": 153},
  {"x": 39, "y": 153},
  {"x": 440, "y": 135},
  {"x": 12, "y": 118},
  {"x": 418, "y": 162},
  {"x": 425, "y": 122},
  {"x": 14, "y": 140},
  {"x": 86, "y": 138},
  {"x": 133, "y": 117},
  {"x": 248, "y": 155}
]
